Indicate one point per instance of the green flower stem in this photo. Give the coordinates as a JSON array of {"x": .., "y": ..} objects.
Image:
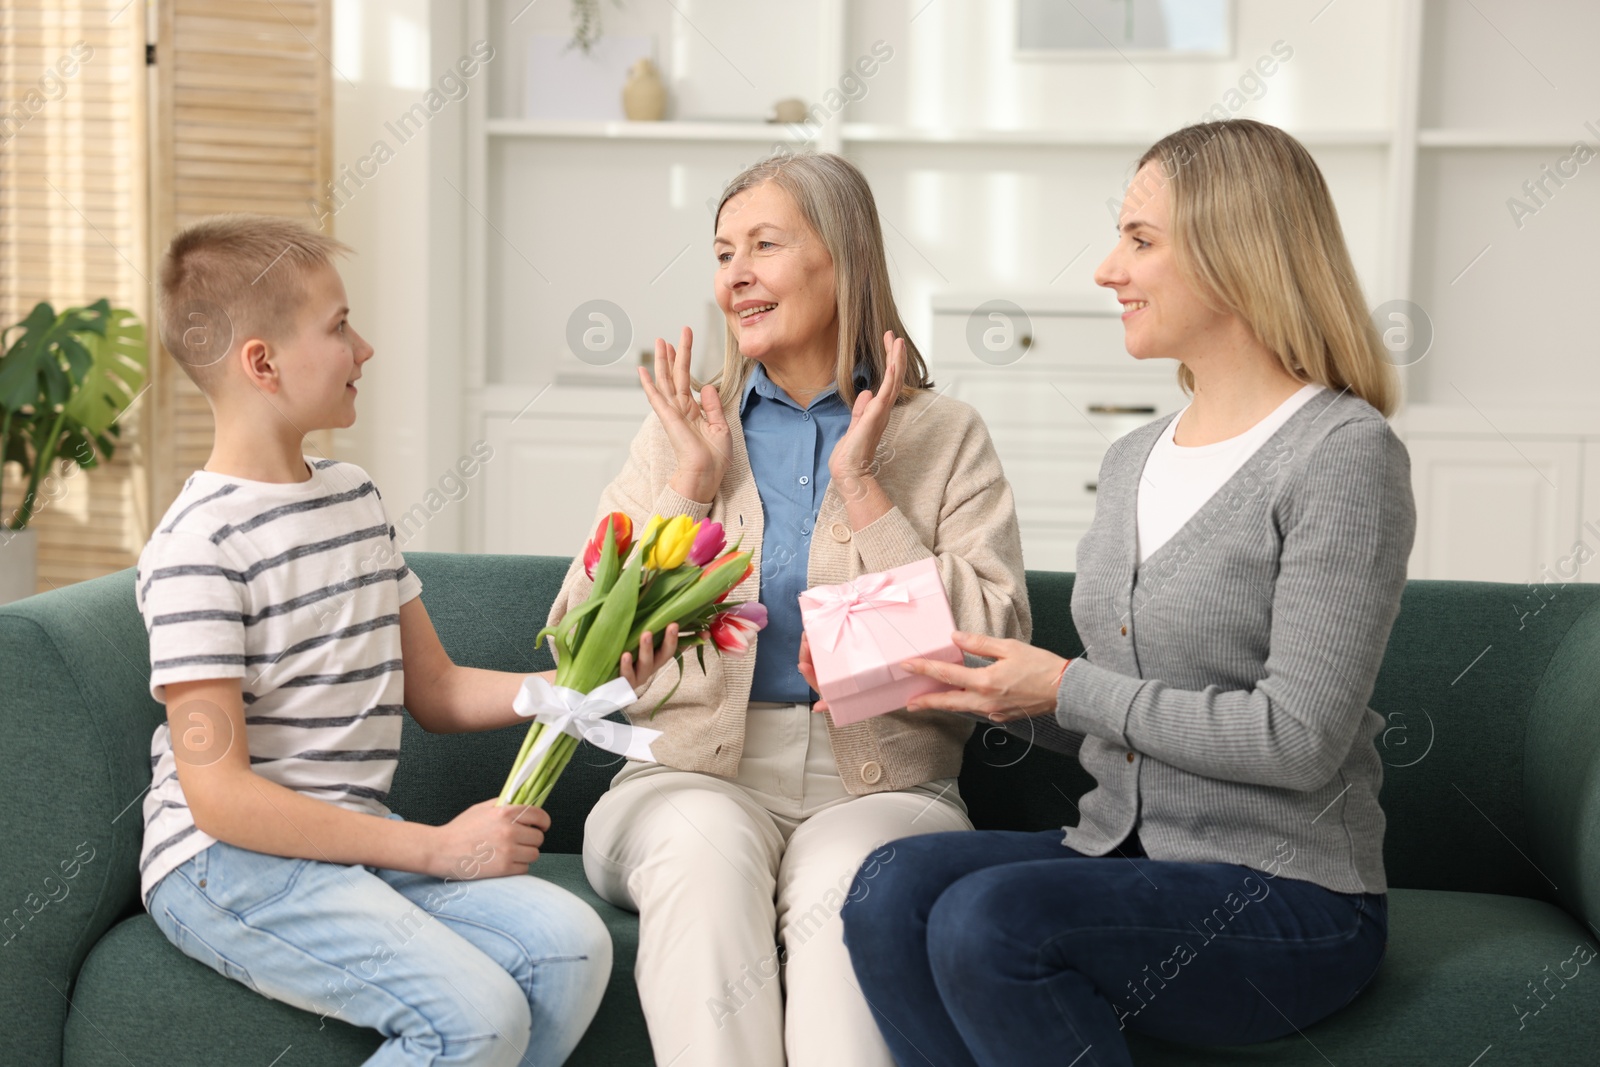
[
  {"x": 522, "y": 754},
  {"x": 567, "y": 748},
  {"x": 538, "y": 787}
]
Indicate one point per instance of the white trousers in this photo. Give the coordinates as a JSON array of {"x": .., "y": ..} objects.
[{"x": 738, "y": 885}]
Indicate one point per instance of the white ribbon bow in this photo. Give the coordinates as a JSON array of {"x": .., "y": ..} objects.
[
  {"x": 580, "y": 715},
  {"x": 836, "y": 604}
]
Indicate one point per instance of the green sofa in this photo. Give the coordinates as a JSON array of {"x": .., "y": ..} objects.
[{"x": 1492, "y": 792}]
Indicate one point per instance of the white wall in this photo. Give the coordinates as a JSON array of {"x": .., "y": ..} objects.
[
  {"x": 395, "y": 208},
  {"x": 954, "y": 67}
]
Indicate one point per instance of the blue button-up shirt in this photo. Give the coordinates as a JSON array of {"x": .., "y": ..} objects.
[{"x": 789, "y": 447}]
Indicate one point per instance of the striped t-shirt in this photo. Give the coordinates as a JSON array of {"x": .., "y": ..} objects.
[{"x": 295, "y": 589}]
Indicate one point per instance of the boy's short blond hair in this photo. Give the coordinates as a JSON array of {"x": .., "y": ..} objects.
[{"x": 232, "y": 277}]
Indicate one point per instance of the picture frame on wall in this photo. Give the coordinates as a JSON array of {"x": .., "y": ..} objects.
[{"x": 1124, "y": 29}]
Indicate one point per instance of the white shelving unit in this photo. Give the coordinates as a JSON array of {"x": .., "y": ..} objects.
[
  {"x": 993, "y": 178},
  {"x": 871, "y": 133},
  {"x": 578, "y": 129}
]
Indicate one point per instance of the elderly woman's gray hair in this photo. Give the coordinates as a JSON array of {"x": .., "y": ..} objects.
[{"x": 837, "y": 203}]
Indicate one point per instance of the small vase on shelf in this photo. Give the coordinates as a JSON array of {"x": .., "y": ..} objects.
[{"x": 644, "y": 98}]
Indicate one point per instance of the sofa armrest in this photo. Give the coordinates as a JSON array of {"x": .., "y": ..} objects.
[
  {"x": 1562, "y": 770},
  {"x": 75, "y": 725}
]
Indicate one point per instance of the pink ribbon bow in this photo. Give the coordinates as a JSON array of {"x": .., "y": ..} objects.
[{"x": 834, "y": 606}]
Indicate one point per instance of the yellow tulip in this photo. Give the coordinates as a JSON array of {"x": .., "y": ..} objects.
[{"x": 672, "y": 543}]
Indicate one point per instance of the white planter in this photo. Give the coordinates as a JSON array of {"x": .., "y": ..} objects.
[{"x": 19, "y": 564}]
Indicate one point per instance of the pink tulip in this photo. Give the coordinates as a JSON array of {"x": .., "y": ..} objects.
[
  {"x": 707, "y": 543},
  {"x": 754, "y": 611}
]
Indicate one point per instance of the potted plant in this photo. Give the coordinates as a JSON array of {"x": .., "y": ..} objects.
[
  {"x": 65, "y": 380},
  {"x": 587, "y": 24}
]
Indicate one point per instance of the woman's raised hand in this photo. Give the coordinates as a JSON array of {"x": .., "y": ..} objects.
[
  {"x": 695, "y": 426},
  {"x": 855, "y": 456}
]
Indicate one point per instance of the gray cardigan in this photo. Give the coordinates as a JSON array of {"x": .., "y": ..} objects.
[{"x": 1221, "y": 699}]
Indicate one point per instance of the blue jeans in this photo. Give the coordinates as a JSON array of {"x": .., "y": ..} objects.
[
  {"x": 497, "y": 971},
  {"x": 996, "y": 947}
]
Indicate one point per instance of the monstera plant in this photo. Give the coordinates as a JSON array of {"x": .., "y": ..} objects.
[{"x": 65, "y": 380}]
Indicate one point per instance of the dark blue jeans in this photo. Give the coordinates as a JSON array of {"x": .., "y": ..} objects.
[{"x": 996, "y": 947}]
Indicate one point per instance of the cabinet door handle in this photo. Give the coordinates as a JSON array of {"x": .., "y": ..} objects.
[
  {"x": 1122, "y": 409},
  {"x": 1091, "y": 487}
]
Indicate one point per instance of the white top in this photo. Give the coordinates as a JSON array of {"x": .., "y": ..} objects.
[
  {"x": 1179, "y": 479},
  {"x": 295, "y": 589}
]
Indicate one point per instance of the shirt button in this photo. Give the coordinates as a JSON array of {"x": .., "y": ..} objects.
[
  {"x": 1130, "y": 757},
  {"x": 871, "y": 772},
  {"x": 840, "y": 532},
  {"x": 805, "y": 416},
  {"x": 804, "y": 480}
]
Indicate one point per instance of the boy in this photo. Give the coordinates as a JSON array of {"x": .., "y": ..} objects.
[{"x": 287, "y": 637}]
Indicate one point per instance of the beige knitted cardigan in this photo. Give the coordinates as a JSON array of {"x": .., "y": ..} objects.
[{"x": 951, "y": 501}]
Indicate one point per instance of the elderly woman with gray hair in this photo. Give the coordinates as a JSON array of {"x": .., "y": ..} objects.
[{"x": 820, "y": 445}]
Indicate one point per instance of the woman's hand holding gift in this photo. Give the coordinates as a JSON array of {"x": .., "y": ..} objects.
[
  {"x": 1020, "y": 683},
  {"x": 699, "y": 433},
  {"x": 808, "y": 671}
]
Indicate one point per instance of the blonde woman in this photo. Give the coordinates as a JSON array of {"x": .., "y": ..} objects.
[
  {"x": 1224, "y": 883},
  {"x": 823, "y": 449}
]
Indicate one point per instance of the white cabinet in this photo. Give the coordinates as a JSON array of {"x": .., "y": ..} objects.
[
  {"x": 1494, "y": 509},
  {"x": 1056, "y": 387},
  {"x": 550, "y": 463}
]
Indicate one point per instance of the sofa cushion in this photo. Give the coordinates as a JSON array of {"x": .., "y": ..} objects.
[
  {"x": 140, "y": 1001},
  {"x": 1453, "y": 983}
]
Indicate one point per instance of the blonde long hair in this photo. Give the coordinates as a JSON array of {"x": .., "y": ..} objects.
[
  {"x": 1255, "y": 230},
  {"x": 837, "y": 203}
]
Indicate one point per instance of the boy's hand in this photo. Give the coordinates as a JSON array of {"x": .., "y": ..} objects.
[
  {"x": 489, "y": 840},
  {"x": 638, "y": 670}
]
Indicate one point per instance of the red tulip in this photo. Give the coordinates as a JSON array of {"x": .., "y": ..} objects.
[
  {"x": 732, "y": 631},
  {"x": 720, "y": 561},
  {"x": 624, "y": 535}
]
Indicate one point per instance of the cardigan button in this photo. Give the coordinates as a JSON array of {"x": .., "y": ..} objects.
[
  {"x": 1130, "y": 757},
  {"x": 871, "y": 772},
  {"x": 840, "y": 532},
  {"x": 1124, "y": 631}
]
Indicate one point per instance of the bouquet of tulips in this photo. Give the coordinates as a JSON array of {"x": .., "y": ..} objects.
[{"x": 680, "y": 571}]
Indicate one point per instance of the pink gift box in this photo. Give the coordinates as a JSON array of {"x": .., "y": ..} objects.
[{"x": 862, "y": 630}]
